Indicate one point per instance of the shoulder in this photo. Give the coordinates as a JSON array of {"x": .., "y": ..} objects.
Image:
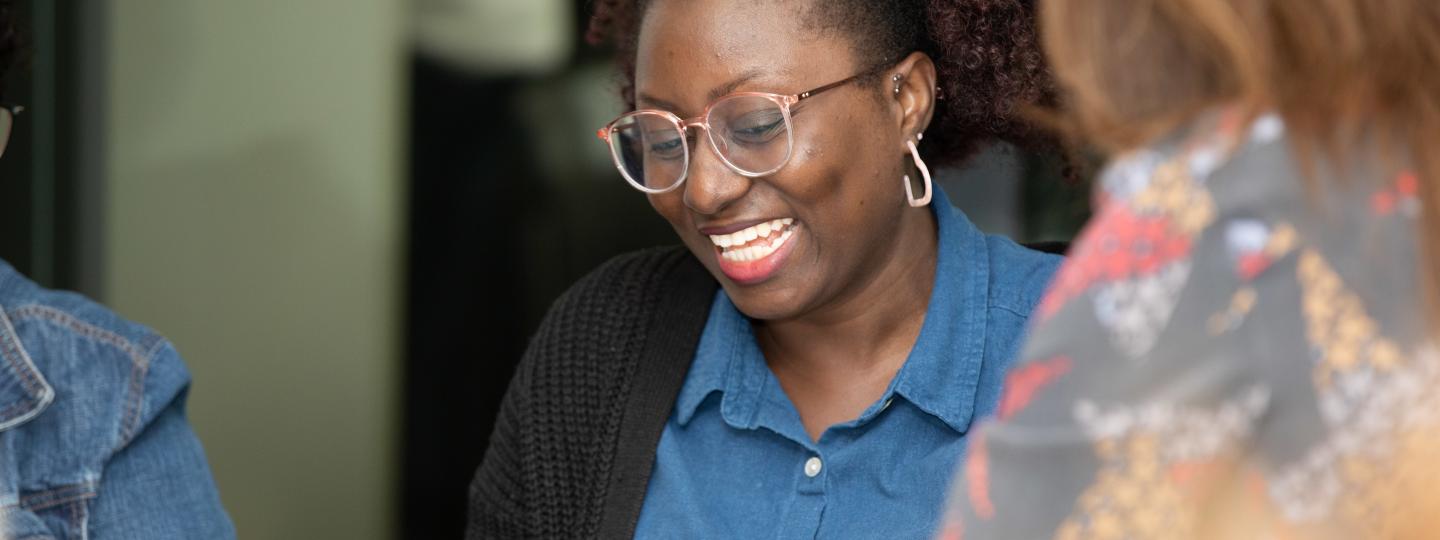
[
  {"x": 610, "y": 351},
  {"x": 612, "y": 310},
  {"x": 619, "y": 294},
  {"x": 630, "y": 275},
  {"x": 80, "y": 367},
  {"x": 68, "y": 316},
  {"x": 1018, "y": 275}
]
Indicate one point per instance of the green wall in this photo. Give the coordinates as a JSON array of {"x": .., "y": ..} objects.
[{"x": 254, "y": 215}]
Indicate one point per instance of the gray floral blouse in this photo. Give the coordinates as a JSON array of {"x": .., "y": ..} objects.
[{"x": 1235, "y": 348}]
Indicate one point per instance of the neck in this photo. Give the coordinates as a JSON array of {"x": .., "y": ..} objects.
[{"x": 874, "y": 324}]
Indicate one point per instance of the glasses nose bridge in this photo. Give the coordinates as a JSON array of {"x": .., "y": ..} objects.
[{"x": 702, "y": 122}]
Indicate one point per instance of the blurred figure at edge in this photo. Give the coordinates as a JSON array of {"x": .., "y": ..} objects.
[
  {"x": 93, "y": 436},
  {"x": 1243, "y": 342}
]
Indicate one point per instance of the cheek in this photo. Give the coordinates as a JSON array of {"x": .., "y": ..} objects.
[
  {"x": 670, "y": 206},
  {"x": 848, "y": 189},
  {"x": 845, "y": 165}
]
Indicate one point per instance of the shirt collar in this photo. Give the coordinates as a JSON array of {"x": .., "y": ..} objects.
[
  {"x": 713, "y": 357},
  {"x": 24, "y": 392},
  {"x": 941, "y": 376}
]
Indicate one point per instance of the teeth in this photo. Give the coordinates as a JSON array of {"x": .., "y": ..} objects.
[
  {"x": 755, "y": 253},
  {"x": 742, "y": 237},
  {"x": 734, "y": 246}
]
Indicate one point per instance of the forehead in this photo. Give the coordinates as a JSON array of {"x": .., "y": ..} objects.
[{"x": 687, "y": 49}]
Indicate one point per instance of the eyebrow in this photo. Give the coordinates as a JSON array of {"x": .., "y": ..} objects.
[
  {"x": 714, "y": 93},
  {"x": 718, "y": 91}
]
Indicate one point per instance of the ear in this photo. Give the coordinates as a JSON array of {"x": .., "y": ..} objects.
[{"x": 914, "y": 93}]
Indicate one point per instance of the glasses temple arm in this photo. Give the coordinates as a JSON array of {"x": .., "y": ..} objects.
[
  {"x": 836, "y": 84},
  {"x": 877, "y": 69}
]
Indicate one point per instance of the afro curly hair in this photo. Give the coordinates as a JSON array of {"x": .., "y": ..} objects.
[{"x": 989, "y": 63}]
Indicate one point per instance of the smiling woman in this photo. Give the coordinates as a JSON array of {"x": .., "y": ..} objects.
[{"x": 811, "y": 362}]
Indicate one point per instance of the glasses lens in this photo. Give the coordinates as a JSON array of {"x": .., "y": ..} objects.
[
  {"x": 752, "y": 132},
  {"x": 650, "y": 150}
]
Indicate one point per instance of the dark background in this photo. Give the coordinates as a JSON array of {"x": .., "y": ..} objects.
[{"x": 44, "y": 230}]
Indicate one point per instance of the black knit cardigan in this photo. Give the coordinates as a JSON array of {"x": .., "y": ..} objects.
[{"x": 574, "y": 442}]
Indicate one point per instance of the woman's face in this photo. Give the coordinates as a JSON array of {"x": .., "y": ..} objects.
[{"x": 839, "y": 200}]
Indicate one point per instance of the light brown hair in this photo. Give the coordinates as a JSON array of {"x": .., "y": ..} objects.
[{"x": 1337, "y": 71}]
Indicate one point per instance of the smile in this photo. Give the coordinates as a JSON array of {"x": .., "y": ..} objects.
[
  {"x": 756, "y": 253},
  {"x": 755, "y": 242}
]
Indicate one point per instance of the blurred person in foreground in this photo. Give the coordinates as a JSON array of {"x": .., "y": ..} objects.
[
  {"x": 810, "y": 363},
  {"x": 93, "y": 436},
  {"x": 1243, "y": 342}
]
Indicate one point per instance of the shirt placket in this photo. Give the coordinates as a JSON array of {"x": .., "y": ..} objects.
[{"x": 802, "y": 518}]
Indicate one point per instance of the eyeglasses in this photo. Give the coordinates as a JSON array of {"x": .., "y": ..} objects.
[
  {"x": 7, "y": 121},
  {"x": 750, "y": 131}
]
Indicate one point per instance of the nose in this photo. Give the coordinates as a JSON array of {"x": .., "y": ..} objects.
[{"x": 711, "y": 186}]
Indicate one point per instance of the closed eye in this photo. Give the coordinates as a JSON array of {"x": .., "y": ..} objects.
[
  {"x": 668, "y": 148},
  {"x": 757, "y": 131}
]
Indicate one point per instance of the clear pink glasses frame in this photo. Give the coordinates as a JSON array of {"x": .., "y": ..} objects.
[{"x": 703, "y": 122}]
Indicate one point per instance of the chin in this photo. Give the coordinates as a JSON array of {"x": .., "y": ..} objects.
[
  {"x": 765, "y": 303},
  {"x": 771, "y": 286}
]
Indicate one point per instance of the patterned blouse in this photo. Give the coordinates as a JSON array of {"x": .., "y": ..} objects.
[{"x": 1235, "y": 348}]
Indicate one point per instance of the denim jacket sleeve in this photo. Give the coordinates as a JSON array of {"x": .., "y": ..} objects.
[{"x": 93, "y": 436}]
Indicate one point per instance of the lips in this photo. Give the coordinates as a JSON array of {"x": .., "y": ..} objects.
[{"x": 754, "y": 253}]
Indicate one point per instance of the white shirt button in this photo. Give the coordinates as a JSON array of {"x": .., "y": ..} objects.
[{"x": 812, "y": 467}]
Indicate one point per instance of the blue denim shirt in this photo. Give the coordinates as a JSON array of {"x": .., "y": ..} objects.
[
  {"x": 734, "y": 460},
  {"x": 93, "y": 437}
]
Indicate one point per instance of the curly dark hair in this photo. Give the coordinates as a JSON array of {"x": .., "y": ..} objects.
[{"x": 986, "y": 52}]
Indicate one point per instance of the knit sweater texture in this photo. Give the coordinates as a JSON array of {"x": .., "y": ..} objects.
[{"x": 575, "y": 437}]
